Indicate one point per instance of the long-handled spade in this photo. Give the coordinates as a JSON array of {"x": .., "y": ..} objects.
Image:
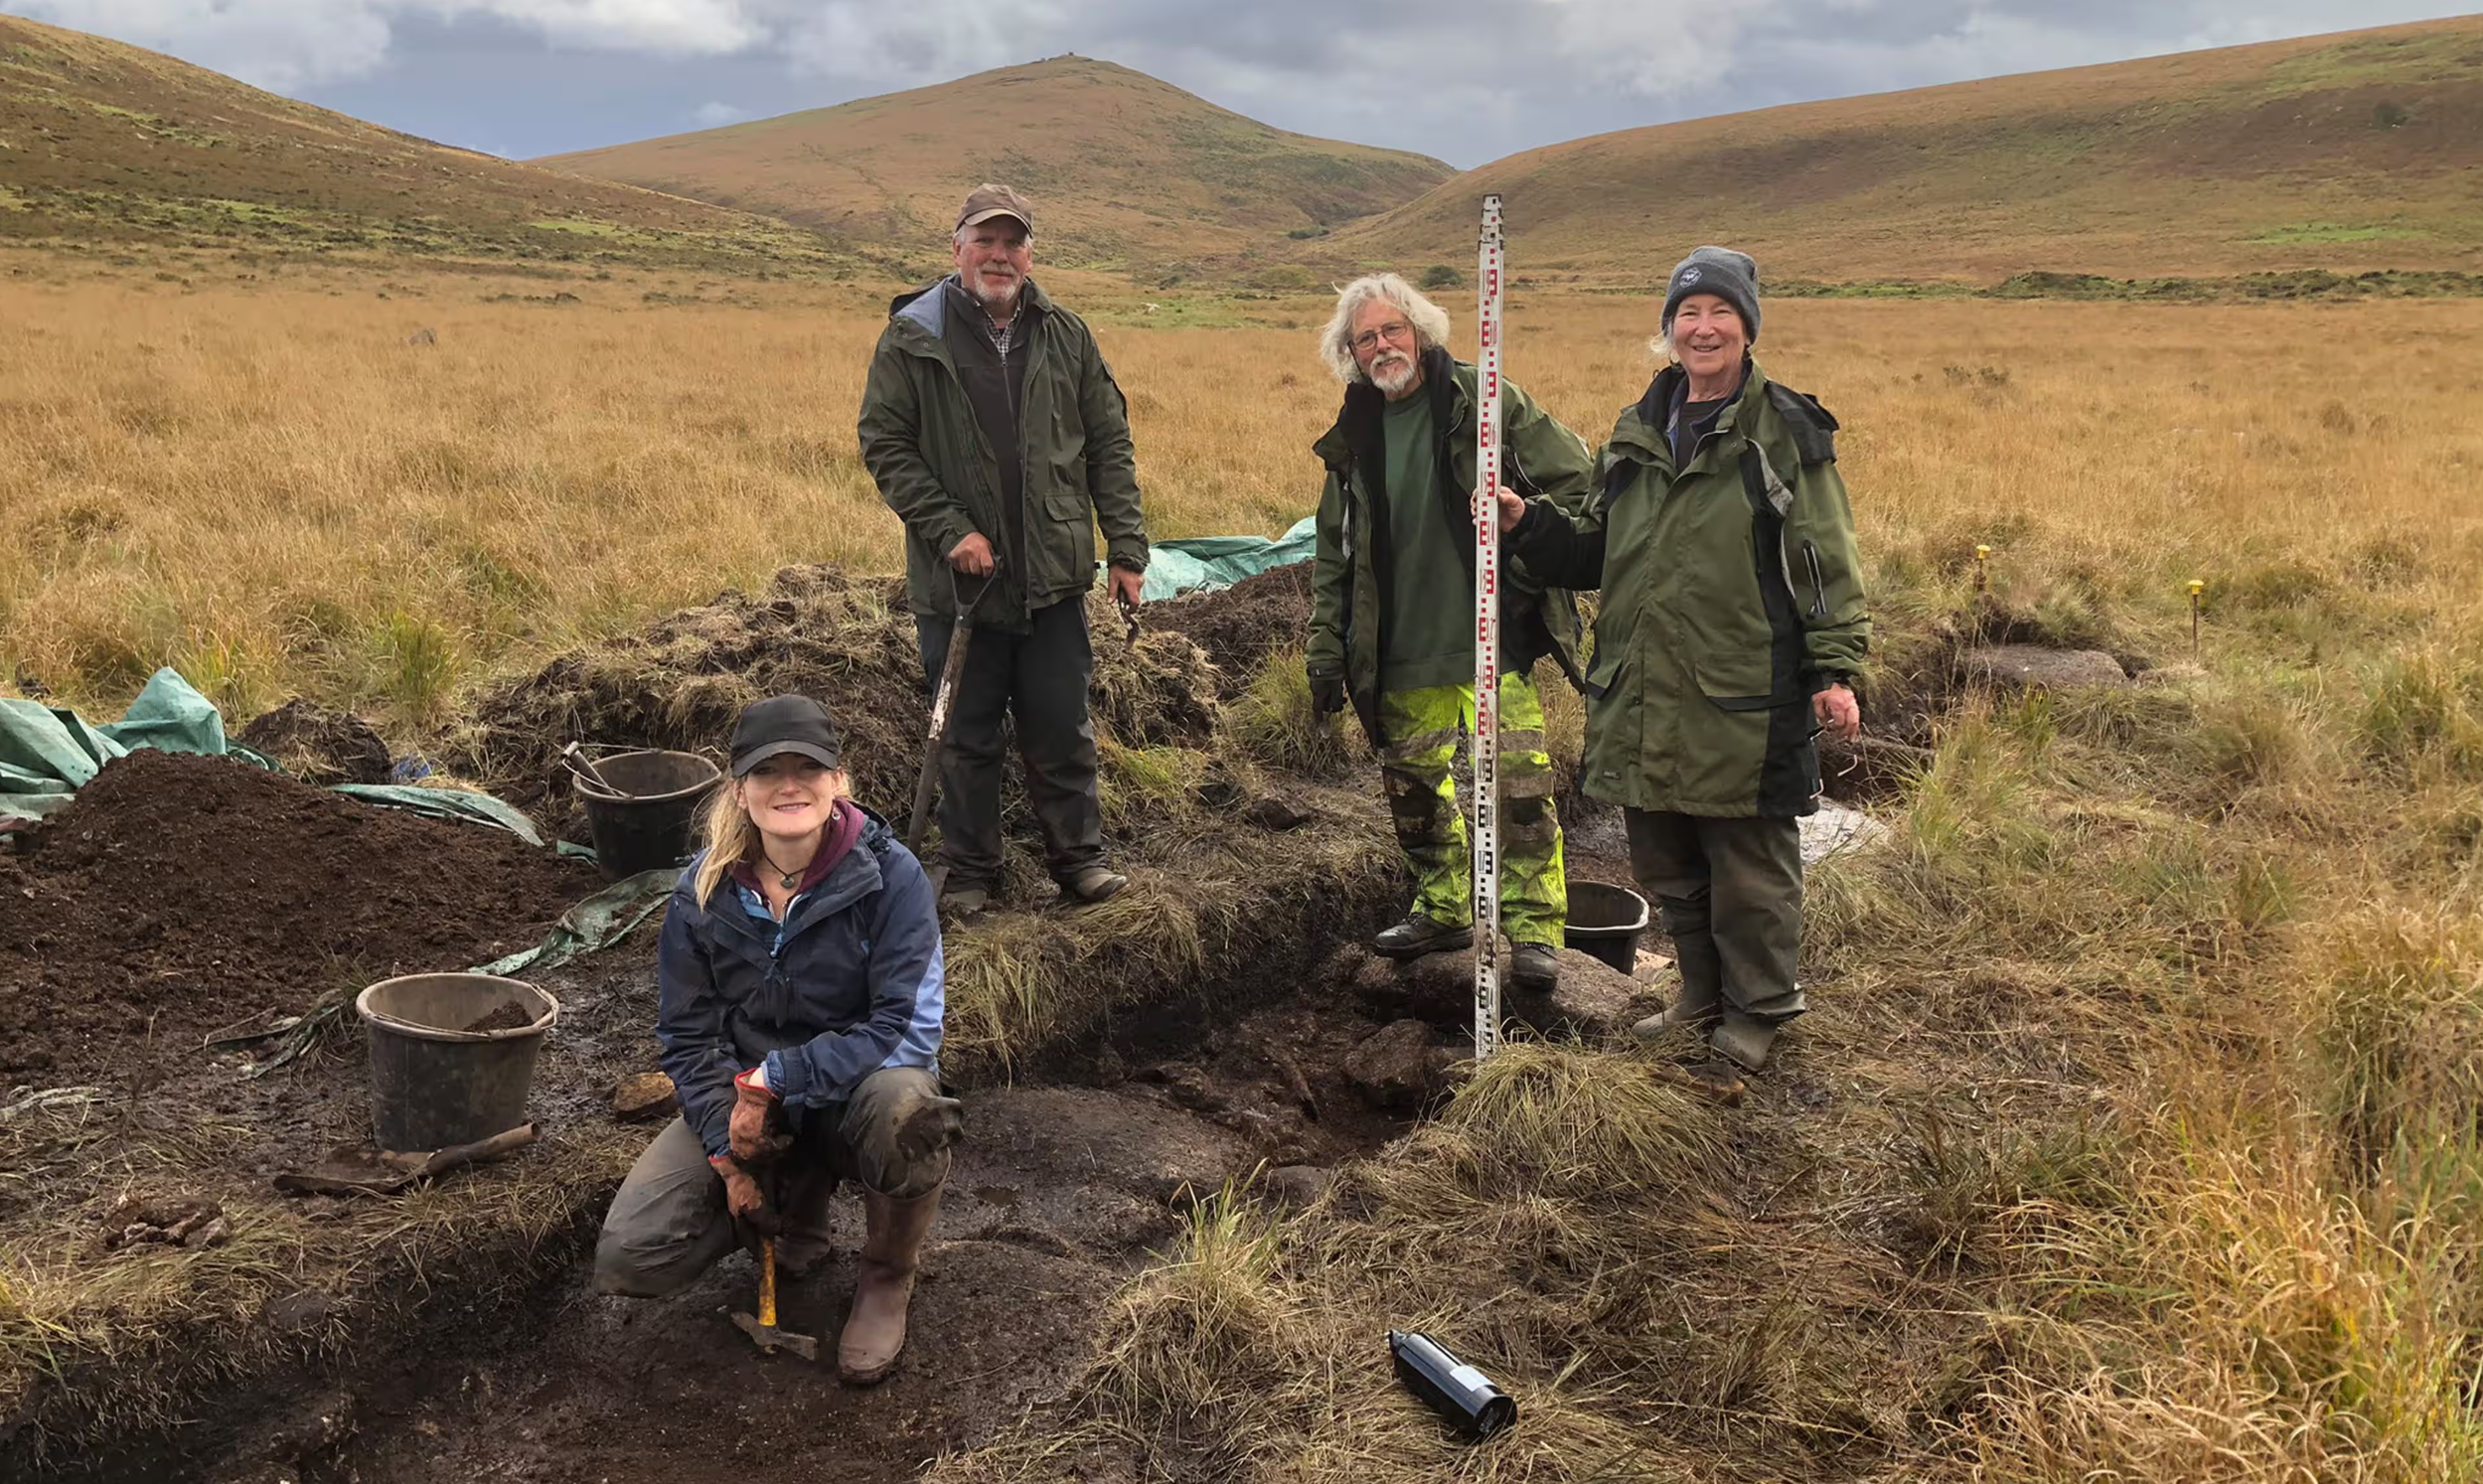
[{"x": 935, "y": 745}]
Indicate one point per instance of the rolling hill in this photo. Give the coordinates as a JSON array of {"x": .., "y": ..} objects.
[
  {"x": 1122, "y": 170},
  {"x": 106, "y": 141},
  {"x": 2353, "y": 151}
]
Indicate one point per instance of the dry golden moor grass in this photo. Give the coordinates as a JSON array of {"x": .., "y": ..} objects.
[{"x": 2145, "y": 1132}]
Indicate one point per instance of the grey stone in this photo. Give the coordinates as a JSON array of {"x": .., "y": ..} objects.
[
  {"x": 1274, "y": 812},
  {"x": 1296, "y": 1185}
]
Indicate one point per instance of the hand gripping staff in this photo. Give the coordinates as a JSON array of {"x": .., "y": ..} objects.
[{"x": 1486, "y": 727}]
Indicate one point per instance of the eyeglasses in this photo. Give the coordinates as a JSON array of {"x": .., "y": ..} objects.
[{"x": 1395, "y": 329}]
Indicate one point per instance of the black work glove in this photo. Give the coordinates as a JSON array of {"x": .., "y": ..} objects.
[{"x": 1328, "y": 692}]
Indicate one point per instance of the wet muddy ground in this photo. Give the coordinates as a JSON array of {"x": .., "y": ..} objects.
[{"x": 1065, "y": 1185}]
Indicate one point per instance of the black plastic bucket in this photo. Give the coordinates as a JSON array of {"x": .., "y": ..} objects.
[
  {"x": 651, "y": 827},
  {"x": 435, "y": 1082},
  {"x": 1606, "y": 921}
]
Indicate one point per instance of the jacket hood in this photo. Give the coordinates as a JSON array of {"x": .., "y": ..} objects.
[{"x": 927, "y": 309}]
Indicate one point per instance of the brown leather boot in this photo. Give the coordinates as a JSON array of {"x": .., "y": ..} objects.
[{"x": 874, "y": 1330}]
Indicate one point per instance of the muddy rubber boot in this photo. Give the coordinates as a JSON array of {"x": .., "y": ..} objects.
[
  {"x": 1743, "y": 1039},
  {"x": 875, "y": 1332},
  {"x": 1696, "y": 1008},
  {"x": 1533, "y": 968}
]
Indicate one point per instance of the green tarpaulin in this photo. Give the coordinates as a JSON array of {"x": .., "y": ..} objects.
[
  {"x": 49, "y": 753},
  {"x": 597, "y": 922},
  {"x": 1206, "y": 562}
]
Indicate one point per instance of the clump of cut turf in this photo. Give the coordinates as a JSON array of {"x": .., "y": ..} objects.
[{"x": 847, "y": 642}]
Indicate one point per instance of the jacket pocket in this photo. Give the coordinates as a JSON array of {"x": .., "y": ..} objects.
[
  {"x": 1070, "y": 542},
  {"x": 1603, "y": 676},
  {"x": 1745, "y": 684},
  {"x": 1605, "y": 665}
]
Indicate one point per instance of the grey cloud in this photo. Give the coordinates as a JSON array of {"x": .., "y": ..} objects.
[{"x": 1465, "y": 80}]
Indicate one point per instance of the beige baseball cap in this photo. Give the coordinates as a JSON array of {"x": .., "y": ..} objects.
[{"x": 989, "y": 200}]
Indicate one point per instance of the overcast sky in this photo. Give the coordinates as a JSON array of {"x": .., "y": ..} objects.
[{"x": 1465, "y": 80}]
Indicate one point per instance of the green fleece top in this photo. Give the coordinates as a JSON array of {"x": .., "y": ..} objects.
[{"x": 1431, "y": 609}]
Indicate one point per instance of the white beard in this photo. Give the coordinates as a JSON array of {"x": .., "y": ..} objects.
[{"x": 1392, "y": 375}]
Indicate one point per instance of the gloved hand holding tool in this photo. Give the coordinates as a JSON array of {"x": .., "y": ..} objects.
[
  {"x": 744, "y": 1197},
  {"x": 751, "y": 1207}
]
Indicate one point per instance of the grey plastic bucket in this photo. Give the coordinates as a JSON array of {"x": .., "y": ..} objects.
[
  {"x": 1605, "y": 921},
  {"x": 433, "y": 1082},
  {"x": 647, "y": 823}
]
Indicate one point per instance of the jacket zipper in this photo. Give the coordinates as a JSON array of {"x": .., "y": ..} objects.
[{"x": 1818, "y": 581}]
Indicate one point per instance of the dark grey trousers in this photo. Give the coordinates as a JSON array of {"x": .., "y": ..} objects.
[
  {"x": 1730, "y": 891},
  {"x": 668, "y": 1224},
  {"x": 1040, "y": 675}
]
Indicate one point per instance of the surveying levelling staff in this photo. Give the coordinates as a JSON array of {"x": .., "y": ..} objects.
[
  {"x": 1392, "y": 615},
  {"x": 1732, "y": 628},
  {"x": 995, "y": 431}
]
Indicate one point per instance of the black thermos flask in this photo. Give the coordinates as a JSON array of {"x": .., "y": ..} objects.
[{"x": 1458, "y": 1391}]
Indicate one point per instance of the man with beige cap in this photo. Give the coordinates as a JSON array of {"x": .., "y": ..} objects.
[{"x": 996, "y": 432}]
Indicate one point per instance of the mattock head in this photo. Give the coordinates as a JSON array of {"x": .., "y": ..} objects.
[{"x": 772, "y": 1338}]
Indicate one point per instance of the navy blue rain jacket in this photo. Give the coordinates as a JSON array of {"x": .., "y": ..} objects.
[{"x": 851, "y": 983}]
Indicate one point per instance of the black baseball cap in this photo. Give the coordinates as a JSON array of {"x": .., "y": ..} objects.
[{"x": 784, "y": 724}]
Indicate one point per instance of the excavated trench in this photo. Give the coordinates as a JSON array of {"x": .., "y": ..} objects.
[
  {"x": 484, "y": 1353},
  {"x": 1068, "y": 1177},
  {"x": 461, "y": 1339}
]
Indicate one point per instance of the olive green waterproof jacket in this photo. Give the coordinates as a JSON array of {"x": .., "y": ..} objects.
[
  {"x": 942, "y": 476},
  {"x": 1733, "y": 595},
  {"x": 1351, "y": 574}
]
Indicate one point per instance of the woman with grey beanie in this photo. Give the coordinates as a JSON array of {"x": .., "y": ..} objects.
[{"x": 1731, "y": 631}]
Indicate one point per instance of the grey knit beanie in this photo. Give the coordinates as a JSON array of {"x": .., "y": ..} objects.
[{"x": 1722, "y": 272}]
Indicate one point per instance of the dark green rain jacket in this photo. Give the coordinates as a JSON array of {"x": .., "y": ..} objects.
[
  {"x": 1733, "y": 595},
  {"x": 942, "y": 476}
]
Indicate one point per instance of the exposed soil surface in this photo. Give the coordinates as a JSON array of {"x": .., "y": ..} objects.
[
  {"x": 1058, "y": 1195},
  {"x": 1062, "y": 1188},
  {"x": 1238, "y": 626},
  {"x": 180, "y": 894}
]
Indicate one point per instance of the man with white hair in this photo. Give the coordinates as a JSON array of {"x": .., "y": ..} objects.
[{"x": 1391, "y": 618}]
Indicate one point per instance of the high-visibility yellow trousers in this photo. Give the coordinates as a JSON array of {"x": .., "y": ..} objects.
[{"x": 1424, "y": 728}]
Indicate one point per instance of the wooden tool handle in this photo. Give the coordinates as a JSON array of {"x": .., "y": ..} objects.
[{"x": 767, "y": 1282}]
